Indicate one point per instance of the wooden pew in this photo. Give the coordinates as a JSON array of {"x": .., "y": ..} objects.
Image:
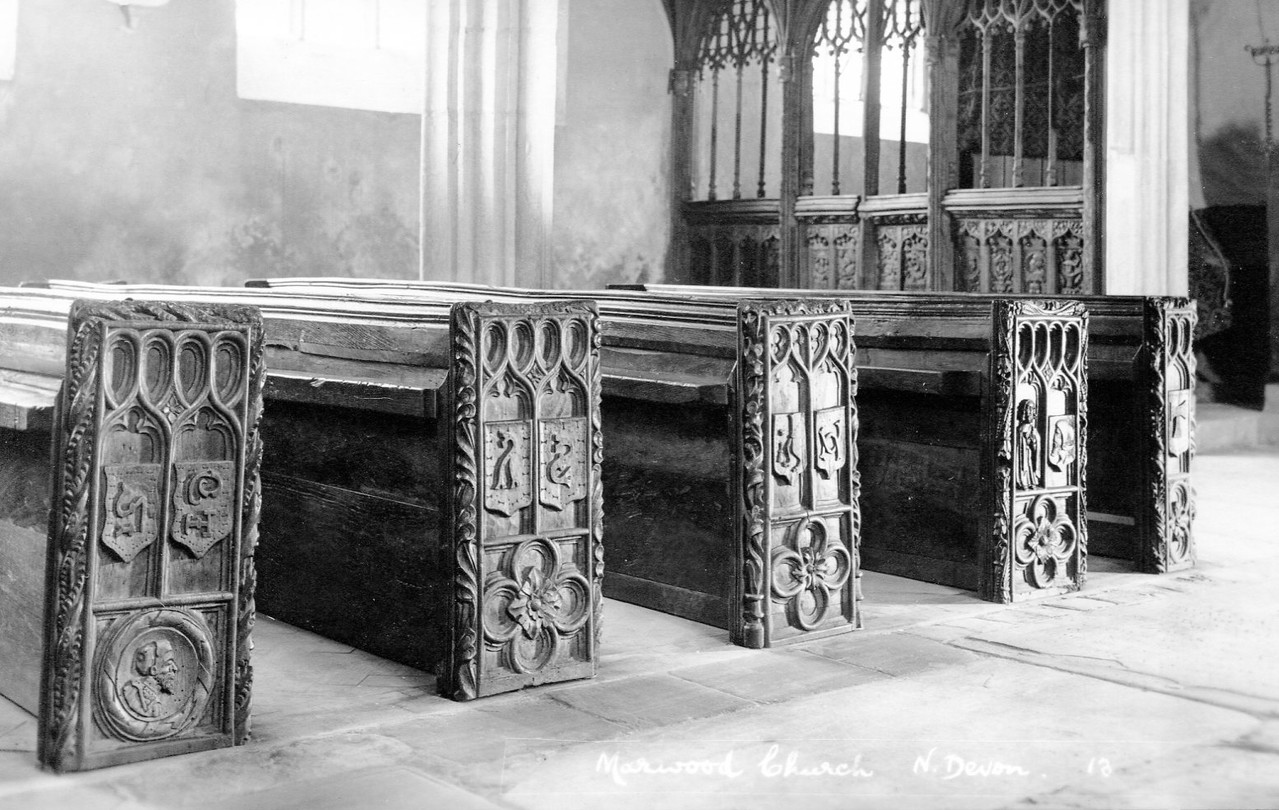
[
  {"x": 127, "y": 629},
  {"x": 695, "y": 526},
  {"x": 942, "y": 382},
  {"x": 380, "y": 528},
  {"x": 1141, "y": 378}
]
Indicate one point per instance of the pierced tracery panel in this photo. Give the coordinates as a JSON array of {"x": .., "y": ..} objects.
[
  {"x": 843, "y": 102},
  {"x": 799, "y": 521},
  {"x": 1021, "y": 94},
  {"x": 738, "y": 111}
]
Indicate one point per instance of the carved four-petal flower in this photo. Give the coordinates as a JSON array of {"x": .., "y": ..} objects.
[
  {"x": 531, "y": 601},
  {"x": 1045, "y": 541},
  {"x": 806, "y": 574}
]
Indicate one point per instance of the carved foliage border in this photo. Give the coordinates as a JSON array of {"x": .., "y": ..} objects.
[
  {"x": 75, "y": 437},
  {"x": 996, "y": 557},
  {"x": 460, "y": 679},
  {"x": 749, "y": 628},
  {"x": 1155, "y": 555},
  {"x": 251, "y": 511}
]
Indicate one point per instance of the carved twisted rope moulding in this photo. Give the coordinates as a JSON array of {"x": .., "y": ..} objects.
[
  {"x": 1168, "y": 525},
  {"x": 1040, "y": 391},
  {"x": 157, "y": 673},
  {"x": 526, "y": 501},
  {"x": 798, "y": 518}
]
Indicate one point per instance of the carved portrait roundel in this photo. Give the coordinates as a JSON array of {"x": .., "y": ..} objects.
[{"x": 155, "y": 675}]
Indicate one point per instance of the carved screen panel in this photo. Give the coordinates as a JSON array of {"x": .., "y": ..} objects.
[
  {"x": 799, "y": 523},
  {"x": 1040, "y": 391},
  {"x": 151, "y": 541},
  {"x": 737, "y": 87},
  {"x": 1021, "y": 93},
  {"x": 526, "y": 508},
  {"x": 1168, "y": 536},
  {"x": 832, "y": 254},
  {"x": 1014, "y": 255},
  {"x": 901, "y": 253},
  {"x": 737, "y": 254}
]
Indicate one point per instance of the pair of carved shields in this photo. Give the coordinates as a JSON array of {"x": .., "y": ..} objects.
[
  {"x": 201, "y": 513},
  {"x": 525, "y": 508},
  {"x": 561, "y": 475},
  {"x": 151, "y": 543}
]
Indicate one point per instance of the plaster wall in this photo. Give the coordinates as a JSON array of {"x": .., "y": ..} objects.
[
  {"x": 612, "y": 141},
  {"x": 127, "y": 155},
  {"x": 1228, "y": 100}
]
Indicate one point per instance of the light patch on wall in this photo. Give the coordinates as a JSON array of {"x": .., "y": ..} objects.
[
  {"x": 8, "y": 38},
  {"x": 358, "y": 54}
]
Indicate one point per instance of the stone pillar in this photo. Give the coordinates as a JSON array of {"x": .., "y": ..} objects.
[
  {"x": 488, "y": 140},
  {"x": 1147, "y": 147}
]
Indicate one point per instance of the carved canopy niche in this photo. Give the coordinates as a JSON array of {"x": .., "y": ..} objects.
[{"x": 889, "y": 144}]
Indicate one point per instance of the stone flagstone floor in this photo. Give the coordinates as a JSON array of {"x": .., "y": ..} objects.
[{"x": 1140, "y": 692}]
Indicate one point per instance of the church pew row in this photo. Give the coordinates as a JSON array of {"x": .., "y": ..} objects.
[
  {"x": 971, "y": 425},
  {"x": 126, "y": 628},
  {"x": 378, "y": 525},
  {"x": 677, "y": 541},
  {"x": 1141, "y": 387}
]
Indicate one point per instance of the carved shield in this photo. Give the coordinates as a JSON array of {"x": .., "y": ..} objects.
[
  {"x": 132, "y": 508},
  {"x": 508, "y": 477},
  {"x": 1178, "y": 422},
  {"x": 788, "y": 446},
  {"x": 830, "y": 441},
  {"x": 564, "y": 458},
  {"x": 203, "y": 499}
]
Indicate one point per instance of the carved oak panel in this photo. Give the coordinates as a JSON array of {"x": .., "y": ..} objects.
[
  {"x": 739, "y": 254},
  {"x": 901, "y": 255},
  {"x": 1040, "y": 410},
  {"x": 799, "y": 522},
  {"x": 832, "y": 255},
  {"x": 152, "y": 537},
  {"x": 1007, "y": 255},
  {"x": 1167, "y": 536},
  {"x": 526, "y": 501}
]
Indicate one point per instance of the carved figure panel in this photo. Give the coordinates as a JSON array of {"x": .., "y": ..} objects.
[
  {"x": 832, "y": 254},
  {"x": 156, "y": 674},
  {"x": 1030, "y": 255},
  {"x": 799, "y": 520},
  {"x": 525, "y": 510},
  {"x": 157, "y": 468},
  {"x": 1040, "y": 386},
  {"x": 1167, "y": 536}
]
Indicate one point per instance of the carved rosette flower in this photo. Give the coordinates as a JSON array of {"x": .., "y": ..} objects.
[
  {"x": 1045, "y": 541},
  {"x": 532, "y": 603},
  {"x": 1181, "y": 519},
  {"x": 807, "y": 570}
]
